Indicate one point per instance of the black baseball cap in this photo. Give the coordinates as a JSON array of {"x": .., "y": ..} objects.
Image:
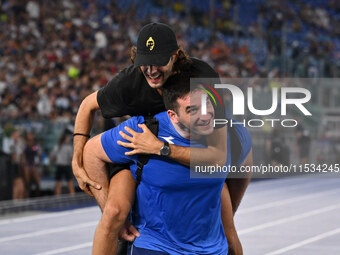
[{"x": 155, "y": 44}]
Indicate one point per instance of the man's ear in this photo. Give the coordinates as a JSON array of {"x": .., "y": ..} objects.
[{"x": 173, "y": 116}]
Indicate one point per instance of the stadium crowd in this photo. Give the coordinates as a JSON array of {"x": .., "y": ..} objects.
[{"x": 54, "y": 53}]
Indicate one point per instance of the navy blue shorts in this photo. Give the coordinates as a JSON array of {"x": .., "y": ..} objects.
[{"x": 133, "y": 250}]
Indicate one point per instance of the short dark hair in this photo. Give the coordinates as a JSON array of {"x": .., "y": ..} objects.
[{"x": 176, "y": 86}]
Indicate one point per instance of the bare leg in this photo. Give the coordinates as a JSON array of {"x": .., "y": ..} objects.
[
  {"x": 115, "y": 199},
  {"x": 120, "y": 200},
  {"x": 36, "y": 179},
  {"x": 18, "y": 188},
  {"x": 27, "y": 180},
  {"x": 21, "y": 194},
  {"x": 94, "y": 165},
  {"x": 58, "y": 187},
  {"x": 235, "y": 247},
  {"x": 70, "y": 186}
]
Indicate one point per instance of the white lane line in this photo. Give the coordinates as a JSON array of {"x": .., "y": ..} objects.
[
  {"x": 285, "y": 186},
  {"x": 304, "y": 242},
  {"x": 290, "y": 181},
  {"x": 288, "y": 219},
  {"x": 66, "y": 249},
  {"x": 48, "y": 215},
  {"x": 285, "y": 201},
  {"x": 48, "y": 231}
]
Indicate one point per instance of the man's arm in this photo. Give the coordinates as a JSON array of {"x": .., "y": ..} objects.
[
  {"x": 214, "y": 154},
  {"x": 83, "y": 124},
  {"x": 234, "y": 244},
  {"x": 237, "y": 186},
  {"x": 148, "y": 143}
]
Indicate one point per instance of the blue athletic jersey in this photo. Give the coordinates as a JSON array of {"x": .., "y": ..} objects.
[{"x": 173, "y": 212}]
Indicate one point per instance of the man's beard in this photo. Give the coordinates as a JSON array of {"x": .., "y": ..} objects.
[{"x": 183, "y": 127}]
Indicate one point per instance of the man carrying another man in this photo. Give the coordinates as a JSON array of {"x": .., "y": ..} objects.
[
  {"x": 175, "y": 214},
  {"x": 136, "y": 90}
]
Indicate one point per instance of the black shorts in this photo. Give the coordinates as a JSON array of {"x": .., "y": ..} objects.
[
  {"x": 65, "y": 171},
  {"x": 15, "y": 168},
  {"x": 113, "y": 169}
]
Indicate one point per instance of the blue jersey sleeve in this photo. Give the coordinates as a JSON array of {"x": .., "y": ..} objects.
[
  {"x": 246, "y": 143},
  {"x": 115, "y": 152}
]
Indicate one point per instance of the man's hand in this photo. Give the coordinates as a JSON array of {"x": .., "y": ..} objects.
[
  {"x": 145, "y": 142},
  {"x": 83, "y": 180},
  {"x": 128, "y": 232}
]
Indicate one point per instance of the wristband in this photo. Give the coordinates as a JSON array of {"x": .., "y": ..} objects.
[{"x": 88, "y": 136}]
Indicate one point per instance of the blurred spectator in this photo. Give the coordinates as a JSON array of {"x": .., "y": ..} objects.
[
  {"x": 61, "y": 156},
  {"x": 33, "y": 9},
  {"x": 17, "y": 146},
  {"x": 44, "y": 105},
  {"x": 304, "y": 143},
  {"x": 13, "y": 145},
  {"x": 277, "y": 149},
  {"x": 31, "y": 162},
  {"x": 54, "y": 53}
]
